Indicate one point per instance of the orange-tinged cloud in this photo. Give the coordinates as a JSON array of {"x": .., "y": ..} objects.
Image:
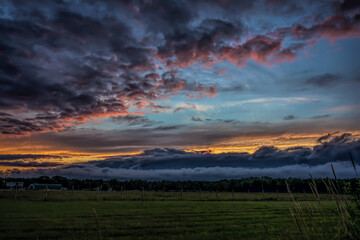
[
  {"x": 222, "y": 71},
  {"x": 247, "y": 144},
  {"x": 251, "y": 144}
]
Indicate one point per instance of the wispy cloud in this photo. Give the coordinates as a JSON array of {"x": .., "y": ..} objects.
[
  {"x": 194, "y": 106},
  {"x": 269, "y": 100},
  {"x": 342, "y": 108}
]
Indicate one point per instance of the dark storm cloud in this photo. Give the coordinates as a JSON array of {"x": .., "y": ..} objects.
[
  {"x": 198, "y": 44},
  {"x": 344, "y": 138},
  {"x": 321, "y": 116},
  {"x": 225, "y": 121},
  {"x": 196, "y": 119},
  {"x": 177, "y": 164},
  {"x": 195, "y": 45},
  {"x": 232, "y": 121},
  {"x": 22, "y": 160},
  {"x": 30, "y": 164},
  {"x": 208, "y": 42},
  {"x": 67, "y": 65},
  {"x": 325, "y": 137},
  {"x": 167, "y": 128},
  {"x": 4, "y": 114},
  {"x": 324, "y": 80},
  {"x": 289, "y": 117},
  {"x": 133, "y": 120},
  {"x": 11, "y": 125},
  {"x": 63, "y": 62},
  {"x": 347, "y": 5},
  {"x": 233, "y": 88},
  {"x": 26, "y": 156}
]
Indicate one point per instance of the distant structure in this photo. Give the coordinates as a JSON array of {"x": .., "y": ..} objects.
[
  {"x": 13, "y": 185},
  {"x": 39, "y": 186}
]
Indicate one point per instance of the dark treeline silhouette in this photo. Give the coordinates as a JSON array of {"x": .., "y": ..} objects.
[{"x": 252, "y": 184}]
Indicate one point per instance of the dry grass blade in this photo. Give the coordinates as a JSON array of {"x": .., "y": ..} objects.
[
  {"x": 314, "y": 187},
  {"x": 298, "y": 216},
  {"x": 333, "y": 170},
  {"x": 289, "y": 191},
  {"x": 353, "y": 163},
  {"x": 266, "y": 229},
  {"x": 297, "y": 222},
  {"x": 313, "y": 191},
  {"x": 98, "y": 223}
]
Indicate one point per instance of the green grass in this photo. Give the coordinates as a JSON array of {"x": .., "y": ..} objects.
[
  {"x": 59, "y": 219},
  {"x": 155, "y": 196}
]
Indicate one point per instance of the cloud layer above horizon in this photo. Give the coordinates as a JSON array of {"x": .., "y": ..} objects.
[{"x": 172, "y": 164}]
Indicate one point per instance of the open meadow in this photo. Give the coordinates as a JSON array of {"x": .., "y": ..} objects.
[
  {"x": 134, "y": 195},
  {"x": 79, "y": 215}
]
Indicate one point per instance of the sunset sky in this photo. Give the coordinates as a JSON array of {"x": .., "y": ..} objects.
[{"x": 179, "y": 89}]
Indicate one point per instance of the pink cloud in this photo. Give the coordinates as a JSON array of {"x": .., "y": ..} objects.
[
  {"x": 222, "y": 71},
  {"x": 343, "y": 108}
]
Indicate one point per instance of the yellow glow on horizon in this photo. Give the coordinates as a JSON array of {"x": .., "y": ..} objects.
[
  {"x": 239, "y": 144},
  {"x": 251, "y": 144}
]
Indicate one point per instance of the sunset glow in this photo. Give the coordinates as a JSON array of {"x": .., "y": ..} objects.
[{"x": 90, "y": 87}]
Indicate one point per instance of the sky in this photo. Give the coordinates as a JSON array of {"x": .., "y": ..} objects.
[{"x": 179, "y": 89}]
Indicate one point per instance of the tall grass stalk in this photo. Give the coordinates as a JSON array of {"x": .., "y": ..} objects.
[
  {"x": 339, "y": 224},
  {"x": 98, "y": 223},
  {"x": 317, "y": 221}
]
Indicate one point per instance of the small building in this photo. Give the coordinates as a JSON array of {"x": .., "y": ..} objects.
[
  {"x": 39, "y": 186},
  {"x": 13, "y": 185}
]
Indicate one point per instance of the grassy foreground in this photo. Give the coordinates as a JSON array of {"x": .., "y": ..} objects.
[
  {"x": 151, "y": 219},
  {"x": 56, "y": 195}
]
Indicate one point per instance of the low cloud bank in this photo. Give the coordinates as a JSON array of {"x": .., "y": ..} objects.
[{"x": 174, "y": 164}]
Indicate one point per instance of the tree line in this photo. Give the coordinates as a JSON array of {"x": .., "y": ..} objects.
[{"x": 249, "y": 184}]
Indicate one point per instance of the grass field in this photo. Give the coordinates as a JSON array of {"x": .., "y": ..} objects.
[
  {"x": 29, "y": 217},
  {"x": 154, "y": 196},
  {"x": 145, "y": 220}
]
